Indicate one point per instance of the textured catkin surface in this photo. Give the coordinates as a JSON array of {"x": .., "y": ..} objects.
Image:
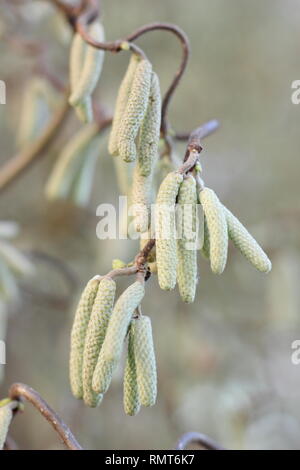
[
  {"x": 5, "y": 420},
  {"x": 145, "y": 360},
  {"x": 217, "y": 228},
  {"x": 121, "y": 103},
  {"x": 141, "y": 193},
  {"x": 206, "y": 244},
  {"x": 78, "y": 333},
  {"x": 186, "y": 254},
  {"x": 111, "y": 351},
  {"x": 131, "y": 398},
  {"x": 165, "y": 230},
  {"x": 135, "y": 111},
  {"x": 95, "y": 335},
  {"x": 150, "y": 130},
  {"x": 247, "y": 245},
  {"x": 91, "y": 67}
]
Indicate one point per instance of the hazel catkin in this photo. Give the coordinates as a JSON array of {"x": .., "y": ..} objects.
[
  {"x": 6, "y": 415},
  {"x": 131, "y": 398}
]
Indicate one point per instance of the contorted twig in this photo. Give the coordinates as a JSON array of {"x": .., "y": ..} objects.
[
  {"x": 196, "y": 438},
  {"x": 20, "y": 392}
]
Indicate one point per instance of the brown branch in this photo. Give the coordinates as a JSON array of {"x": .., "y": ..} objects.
[
  {"x": 20, "y": 392},
  {"x": 206, "y": 129},
  {"x": 199, "y": 439}
]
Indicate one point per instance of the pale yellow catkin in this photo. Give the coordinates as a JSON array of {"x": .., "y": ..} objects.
[
  {"x": 111, "y": 351},
  {"x": 121, "y": 103},
  {"x": 217, "y": 228},
  {"x": 6, "y": 415},
  {"x": 135, "y": 111},
  {"x": 131, "y": 400},
  {"x": 141, "y": 193},
  {"x": 165, "y": 230},
  {"x": 186, "y": 244},
  {"x": 150, "y": 130},
  {"x": 78, "y": 334},
  {"x": 95, "y": 335},
  {"x": 91, "y": 67},
  {"x": 145, "y": 361},
  {"x": 206, "y": 245},
  {"x": 247, "y": 245}
]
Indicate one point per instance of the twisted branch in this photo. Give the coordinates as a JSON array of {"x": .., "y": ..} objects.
[{"x": 199, "y": 439}]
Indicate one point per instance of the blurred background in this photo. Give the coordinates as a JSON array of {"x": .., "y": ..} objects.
[{"x": 224, "y": 362}]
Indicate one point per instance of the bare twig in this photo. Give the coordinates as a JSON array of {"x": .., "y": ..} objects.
[
  {"x": 20, "y": 392},
  {"x": 199, "y": 439}
]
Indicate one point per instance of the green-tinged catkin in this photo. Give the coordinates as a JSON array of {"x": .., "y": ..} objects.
[
  {"x": 111, "y": 350},
  {"x": 95, "y": 335},
  {"x": 131, "y": 398},
  {"x": 91, "y": 67},
  {"x": 145, "y": 238},
  {"x": 84, "y": 110},
  {"x": 68, "y": 164},
  {"x": 165, "y": 229},
  {"x": 206, "y": 245},
  {"x": 6, "y": 415},
  {"x": 141, "y": 193},
  {"x": 121, "y": 103},
  {"x": 217, "y": 228},
  {"x": 135, "y": 110},
  {"x": 145, "y": 361},
  {"x": 150, "y": 130},
  {"x": 78, "y": 334},
  {"x": 247, "y": 245},
  {"x": 77, "y": 53},
  {"x": 186, "y": 244}
]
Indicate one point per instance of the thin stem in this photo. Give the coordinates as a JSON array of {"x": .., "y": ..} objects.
[
  {"x": 199, "y": 439},
  {"x": 207, "y": 129},
  {"x": 19, "y": 391}
]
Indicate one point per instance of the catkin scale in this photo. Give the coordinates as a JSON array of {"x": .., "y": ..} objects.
[
  {"x": 95, "y": 335},
  {"x": 150, "y": 130},
  {"x": 141, "y": 192},
  {"x": 187, "y": 256},
  {"x": 78, "y": 334},
  {"x": 121, "y": 103},
  {"x": 6, "y": 415},
  {"x": 247, "y": 245},
  {"x": 166, "y": 255},
  {"x": 145, "y": 361},
  {"x": 217, "y": 227},
  {"x": 135, "y": 110},
  {"x": 111, "y": 350},
  {"x": 131, "y": 400}
]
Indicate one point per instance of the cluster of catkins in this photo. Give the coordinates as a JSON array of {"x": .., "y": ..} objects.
[
  {"x": 97, "y": 338},
  {"x": 176, "y": 257}
]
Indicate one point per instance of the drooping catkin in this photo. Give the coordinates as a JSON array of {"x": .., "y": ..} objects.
[
  {"x": 145, "y": 361},
  {"x": 247, "y": 245},
  {"x": 206, "y": 245},
  {"x": 135, "y": 110},
  {"x": 141, "y": 193},
  {"x": 121, "y": 103},
  {"x": 95, "y": 335},
  {"x": 150, "y": 130},
  {"x": 78, "y": 334},
  {"x": 131, "y": 398},
  {"x": 165, "y": 229},
  {"x": 67, "y": 166},
  {"x": 186, "y": 244},
  {"x": 5, "y": 420},
  {"x": 217, "y": 228},
  {"x": 111, "y": 350},
  {"x": 91, "y": 67}
]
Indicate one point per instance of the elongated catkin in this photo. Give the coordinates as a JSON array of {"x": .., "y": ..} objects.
[
  {"x": 95, "y": 335},
  {"x": 206, "y": 244},
  {"x": 145, "y": 361},
  {"x": 135, "y": 111},
  {"x": 111, "y": 351},
  {"x": 91, "y": 68},
  {"x": 78, "y": 334},
  {"x": 121, "y": 103},
  {"x": 5, "y": 420},
  {"x": 131, "y": 398},
  {"x": 165, "y": 230},
  {"x": 217, "y": 228},
  {"x": 141, "y": 193},
  {"x": 186, "y": 253},
  {"x": 150, "y": 130},
  {"x": 247, "y": 245}
]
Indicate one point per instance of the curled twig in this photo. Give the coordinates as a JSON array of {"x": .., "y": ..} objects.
[{"x": 197, "y": 438}]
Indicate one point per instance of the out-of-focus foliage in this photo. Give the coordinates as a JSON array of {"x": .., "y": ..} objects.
[{"x": 224, "y": 363}]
